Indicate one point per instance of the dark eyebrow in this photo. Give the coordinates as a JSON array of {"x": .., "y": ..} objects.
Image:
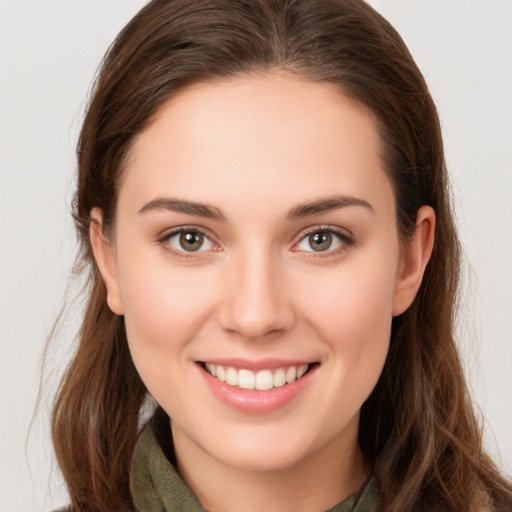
[
  {"x": 211, "y": 212},
  {"x": 325, "y": 205},
  {"x": 181, "y": 206}
]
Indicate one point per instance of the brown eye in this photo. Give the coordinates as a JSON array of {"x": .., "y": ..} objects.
[
  {"x": 188, "y": 241},
  {"x": 191, "y": 240},
  {"x": 320, "y": 241},
  {"x": 324, "y": 240}
]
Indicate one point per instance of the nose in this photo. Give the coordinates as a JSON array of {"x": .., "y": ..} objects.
[{"x": 255, "y": 302}]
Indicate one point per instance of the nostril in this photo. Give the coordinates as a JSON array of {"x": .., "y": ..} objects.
[{"x": 253, "y": 321}]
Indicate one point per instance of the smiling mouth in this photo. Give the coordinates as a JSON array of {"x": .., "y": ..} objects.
[{"x": 262, "y": 380}]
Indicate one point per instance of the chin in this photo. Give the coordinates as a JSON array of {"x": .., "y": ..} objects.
[
  {"x": 266, "y": 447},
  {"x": 258, "y": 459}
]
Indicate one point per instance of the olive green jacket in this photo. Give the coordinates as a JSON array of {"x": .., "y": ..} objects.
[{"x": 157, "y": 487}]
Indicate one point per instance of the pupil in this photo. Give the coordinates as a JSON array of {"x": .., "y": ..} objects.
[
  {"x": 191, "y": 241},
  {"x": 320, "y": 241}
]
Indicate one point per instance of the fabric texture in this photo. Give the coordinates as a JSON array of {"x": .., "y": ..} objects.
[{"x": 157, "y": 487}]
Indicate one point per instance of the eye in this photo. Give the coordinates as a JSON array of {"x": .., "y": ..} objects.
[
  {"x": 188, "y": 240},
  {"x": 323, "y": 240}
]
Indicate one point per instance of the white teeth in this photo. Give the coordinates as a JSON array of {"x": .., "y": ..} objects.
[
  {"x": 301, "y": 370},
  {"x": 291, "y": 374},
  {"x": 221, "y": 373},
  {"x": 232, "y": 377},
  {"x": 212, "y": 368},
  {"x": 263, "y": 380},
  {"x": 246, "y": 379},
  {"x": 279, "y": 378}
]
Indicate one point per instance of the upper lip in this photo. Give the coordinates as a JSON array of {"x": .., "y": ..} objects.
[{"x": 255, "y": 365}]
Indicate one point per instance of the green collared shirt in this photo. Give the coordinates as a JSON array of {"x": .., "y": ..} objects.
[{"x": 157, "y": 487}]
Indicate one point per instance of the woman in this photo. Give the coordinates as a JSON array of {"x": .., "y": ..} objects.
[{"x": 263, "y": 206}]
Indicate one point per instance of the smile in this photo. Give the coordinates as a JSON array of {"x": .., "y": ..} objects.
[{"x": 262, "y": 380}]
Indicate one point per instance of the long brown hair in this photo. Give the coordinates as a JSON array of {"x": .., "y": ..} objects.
[{"x": 418, "y": 427}]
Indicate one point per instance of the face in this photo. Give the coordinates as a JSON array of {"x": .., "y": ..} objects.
[{"x": 256, "y": 261}]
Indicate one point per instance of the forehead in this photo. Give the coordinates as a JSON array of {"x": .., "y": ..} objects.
[{"x": 274, "y": 138}]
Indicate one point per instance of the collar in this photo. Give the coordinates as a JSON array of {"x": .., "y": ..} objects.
[{"x": 157, "y": 487}]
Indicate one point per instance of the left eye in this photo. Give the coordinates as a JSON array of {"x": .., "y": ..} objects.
[
  {"x": 190, "y": 241},
  {"x": 321, "y": 241}
]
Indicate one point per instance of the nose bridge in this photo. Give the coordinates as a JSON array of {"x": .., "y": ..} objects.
[{"x": 256, "y": 302}]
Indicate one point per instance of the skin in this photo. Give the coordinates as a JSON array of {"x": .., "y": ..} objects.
[{"x": 256, "y": 148}]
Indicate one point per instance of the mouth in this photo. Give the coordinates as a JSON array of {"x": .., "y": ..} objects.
[
  {"x": 258, "y": 387},
  {"x": 264, "y": 379}
]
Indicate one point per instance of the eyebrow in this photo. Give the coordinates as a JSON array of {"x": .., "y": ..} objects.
[
  {"x": 211, "y": 212},
  {"x": 182, "y": 206},
  {"x": 325, "y": 205}
]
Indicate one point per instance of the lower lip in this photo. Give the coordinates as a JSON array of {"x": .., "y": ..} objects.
[{"x": 253, "y": 401}]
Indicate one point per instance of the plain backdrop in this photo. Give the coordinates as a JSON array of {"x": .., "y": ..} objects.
[{"x": 49, "y": 51}]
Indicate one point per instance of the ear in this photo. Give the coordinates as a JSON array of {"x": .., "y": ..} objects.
[
  {"x": 105, "y": 259},
  {"x": 416, "y": 253}
]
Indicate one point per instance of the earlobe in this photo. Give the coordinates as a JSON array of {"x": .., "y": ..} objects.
[
  {"x": 415, "y": 255},
  {"x": 105, "y": 259}
]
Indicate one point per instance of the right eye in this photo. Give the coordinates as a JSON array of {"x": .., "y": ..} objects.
[{"x": 188, "y": 240}]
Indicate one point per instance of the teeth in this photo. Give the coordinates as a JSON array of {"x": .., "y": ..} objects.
[
  {"x": 279, "y": 378},
  {"x": 263, "y": 380},
  {"x": 232, "y": 377},
  {"x": 301, "y": 370},
  {"x": 221, "y": 373},
  {"x": 212, "y": 368},
  {"x": 291, "y": 374},
  {"x": 246, "y": 379}
]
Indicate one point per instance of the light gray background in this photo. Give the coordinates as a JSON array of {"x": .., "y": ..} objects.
[{"x": 49, "y": 51}]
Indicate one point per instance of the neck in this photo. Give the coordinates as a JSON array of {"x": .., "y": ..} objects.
[{"x": 318, "y": 482}]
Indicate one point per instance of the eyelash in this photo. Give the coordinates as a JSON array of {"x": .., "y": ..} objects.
[
  {"x": 345, "y": 240},
  {"x": 180, "y": 230}
]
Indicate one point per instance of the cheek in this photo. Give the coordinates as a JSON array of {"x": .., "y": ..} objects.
[
  {"x": 354, "y": 299},
  {"x": 351, "y": 311},
  {"x": 164, "y": 309}
]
